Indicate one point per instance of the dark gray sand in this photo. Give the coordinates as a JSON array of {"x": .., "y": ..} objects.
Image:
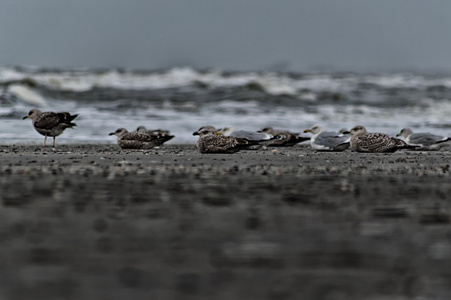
[{"x": 95, "y": 222}]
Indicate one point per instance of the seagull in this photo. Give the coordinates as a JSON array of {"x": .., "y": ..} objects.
[
  {"x": 139, "y": 140},
  {"x": 153, "y": 131},
  {"x": 50, "y": 123},
  {"x": 287, "y": 139},
  {"x": 209, "y": 142},
  {"x": 206, "y": 127},
  {"x": 245, "y": 134},
  {"x": 425, "y": 140},
  {"x": 323, "y": 140},
  {"x": 363, "y": 141},
  {"x": 263, "y": 139}
]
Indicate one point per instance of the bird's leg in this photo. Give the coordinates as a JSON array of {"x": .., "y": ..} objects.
[
  {"x": 54, "y": 138},
  {"x": 45, "y": 140}
]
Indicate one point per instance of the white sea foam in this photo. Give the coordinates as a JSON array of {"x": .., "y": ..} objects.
[{"x": 27, "y": 95}]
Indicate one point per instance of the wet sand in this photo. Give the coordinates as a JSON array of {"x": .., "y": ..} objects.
[{"x": 95, "y": 222}]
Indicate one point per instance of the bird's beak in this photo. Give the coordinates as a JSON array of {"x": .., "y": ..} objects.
[
  {"x": 307, "y": 130},
  {"x": 195, "y": 133},
  {"x": 111, "y": 133},
  {"x": 346, "y": 132},
  {"x": 26, "y": 117}
]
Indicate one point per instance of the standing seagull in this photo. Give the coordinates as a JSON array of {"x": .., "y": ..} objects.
[
  {"x": 323, "y": 140},
  {"x": 209, "y": 142},
  {"x": 425, "y": 140},
  {"x": 50, "y": 123},
  {"x": 363, "y": 141},
  {"x": 139, "y": 140}
]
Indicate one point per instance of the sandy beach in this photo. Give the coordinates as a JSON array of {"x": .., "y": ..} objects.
[{"x": 97, "y": 222}]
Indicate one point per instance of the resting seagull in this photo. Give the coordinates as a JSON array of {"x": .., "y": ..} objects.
[
  {"x": 50, "y": 123},
  {"x": 263, "y": 139},
  {"x": 245, "y": 134},
  {"x": 323, "y": 140},
  {"x": 363, "y": 141},
  {"x": 209, "y": 142},
  {"x": 153, "y": 131},
  {"x": 287, "y": 139},
  {"x": 425, "y": 140},
  {"x": 206, "y": 127},
  {"x": 139, "y": 140}
]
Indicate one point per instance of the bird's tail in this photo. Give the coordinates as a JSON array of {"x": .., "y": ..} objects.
[
  {"x": 66, "y": 119},
  {"x": 342, "y": 146},
  {"x": 270, "y": 141},
  {"x": 444, "y": 141},
  {"x": 289, "y": 141},
  {"x": 410, "y": 146},
  {"x": 165, "y": 138},
  {"x": 71, "y": 117}
]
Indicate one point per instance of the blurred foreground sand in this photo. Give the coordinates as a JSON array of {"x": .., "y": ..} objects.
[{"x": 94, "y": 222}]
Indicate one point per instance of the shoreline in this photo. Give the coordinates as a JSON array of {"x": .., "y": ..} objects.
[{"x": 282, "y": 223}]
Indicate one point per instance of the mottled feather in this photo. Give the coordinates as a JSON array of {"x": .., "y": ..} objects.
[
  {"x": 363, "y": 141},
  {"x": 139, "y": 140},
  {"x": 211, "y": 143}
]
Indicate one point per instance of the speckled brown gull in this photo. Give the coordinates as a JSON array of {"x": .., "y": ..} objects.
[
  {"x": 50, "y": 123},
  {"x": 323, "y": 140},
  {"x": 286, "y": 138},
  {"x": 209, "y": 142},
  {"x": 363, "y": 141},
  {"x": 138, "y": 140},
  {"x": 425, "y": 140}
]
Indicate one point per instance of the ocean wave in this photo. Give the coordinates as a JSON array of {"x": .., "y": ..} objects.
[
  {"x": 269, "y": 82},
  {"x": 27, "y": 95},
  {"x": 183, "y": 99}
]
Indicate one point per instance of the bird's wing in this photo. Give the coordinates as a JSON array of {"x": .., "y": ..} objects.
[
  {"x": 250, "y": 135},
  {"x": 47, "y": 120},
  {"x": 331, "y": 139},
  {"x": 379, "y": 142},
  {"x": 425, "y": 139},
  {"x": 138, "y": 136}
]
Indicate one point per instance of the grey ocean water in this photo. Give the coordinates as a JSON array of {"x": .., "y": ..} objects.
[{"x": 183, "y": 99}]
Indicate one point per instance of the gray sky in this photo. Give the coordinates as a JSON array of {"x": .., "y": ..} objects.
[{"x": 297, "y": 35}]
